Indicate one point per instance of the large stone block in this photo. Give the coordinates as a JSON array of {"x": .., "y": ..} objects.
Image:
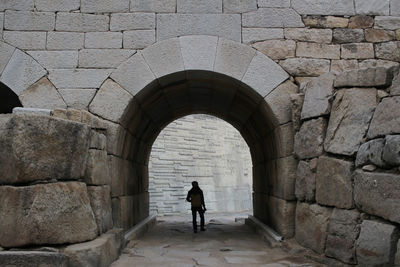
[
  {"x": 251, "y": 35},
  {"x": 308, "y": 142},
  {"x": 115, "y": 138},
  {"x": 223, "y": 25},
  {"x": 284, "y": 138},
  {"x": 358, "y": 51},
  {"x": 55, "y": 213},
  {"x": 372, "y": 77},
  {"x": 305, "y": 67},
  {"x": 139, "y": 39},
  {"x": 361, "y": 22},
  {"x": 57, "y": 5},
  {"x": 42, "y": 94},
  {"x": 371, "y": 7},
  {"x": 312, "y": 226},
  {"x": 377, "y": 243},
  {"x": 386, "y": 119},
  {"x": 103, "y": 39},
  {"x": 33, "y": 259},
  {"x": 100, "y": 252},
  {"x": 199, "y": 6},
  {"x": 78, "y": 78},
  {"x": 318, "y": 95},
  {"x": 102, "y": 6},
  {"x": 387, "y": 22},
  {"x": 316, "y": 50},
  {"x": 272, "y": 18},
  {"x": 103, "y": 58},
  {"x": 17, "y": 5},
  {"x": 158, "y": 6},
  {"x": 334, "y": 183},
  {"x": 389, "y": 51},
  {"x": 132, "y": 21},
  {"x": 296, "y": 103},
  {"x": 77, "y": 98},
  {"x": 309, "y": 35},
  {"x": 198, "y": 52},
  {"x": 391, "y": 151},
  {"x": 6, "y": 53},
  {"x": 323, "y": 7},
  {"x": 378, "y": 194},
  {"x": 351, "y": 113},
  {"x": 26, "y": 40},
  {"x": 56, "y": 59},
  {"x": 343, "y": 231},
  {"x": 282, "y": 216},
  {"x": 305, "y": 180},
  {"x": 277, "y": 49},
  {"x": 97, "y": 168},
  {"x": 29, "y": 21},
  {"x": 64, "y": 40},
  {"x": 283, "y": 183},
  {"x": 57, "y": 147},
  {"x": 100, "y": 201},
  {"x": 371, "y": 153},
  {"x": 378, "y": 35},
  {"x": 341, "y": 35},
  {"x": 79, "y": 22},
  {"x": 239, "y": 6}
]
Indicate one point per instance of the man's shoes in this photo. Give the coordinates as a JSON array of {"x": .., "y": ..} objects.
[
  {"x": 202, "y": 229},
  {"x": 195, "y": 231}
]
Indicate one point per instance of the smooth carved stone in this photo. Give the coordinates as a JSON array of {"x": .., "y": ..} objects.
[
  {"x": 351, "y": 113},
  {"x": 309, "y": 35},
  {"x": 341, "y": 36},
  {"x": 102, "y": 6},
  {"x": 103, "y": 58},
  {"x": 308, "y": 142},
  {"x": 100, "y": 201},
  {"x": 199, "y": 6},
  {"x": 33, "y": 258},
  {"x": 371, "y": 153},
  {"x": 132, "y": 21},
  {"x": 323, "y": 7},
  {"x": 57, "y": 147},
  {"x": 386, "y": 118},
  {"x": 391, "y": 151},
  {"x": 305, "y": 182},
  {"x": 57, "y": 5},
  {"x": 26, "y": 40},
  {"x": 65, "y": 40},
  {"x": 325, "y": 22},
  {"x": 389, "y": 51},
  {"x": 372, "y": 77},
  {"x": 296, "y": 103},
  {"x": 29, "y": 21},
  {"x": 318, "y": 93},
  {"x": 272, "y": 18},
  {"x": 6, "y": 53},
  {"x": 55, "y": 213},
  {"x": 343, "y": 231},
  {"x": 376, "y": 244},
  {"x": 80, "y": 22},
  {"x": 56, "y": 59},
  {"x": 240, "y": 6},
  {"x": 334, "y": 183},
  {"x": 306, "y": 67},
  {"x": 139, "y": 39},
  {"x": 78, "y": 78},
  {"x": 283, "y": 186},
  {"x": 283, "y": 220},
  {"x": 361, "y": 21},
  {"x": 372, "y": 7},
  {"x": 378, "y": 194},
  {"x": 277, "y": 49},
  {"x": 378, "y": 35},
  {"x": 103, "y": 39},
  {"x": 97, "y": 168},
  {"x": 312, "y": 225},
  {"x": 252, "y": 35},
  {"x": 77, "y": 98}
]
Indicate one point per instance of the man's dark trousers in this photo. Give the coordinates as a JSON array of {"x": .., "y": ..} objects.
[{"x": 194, "y": 214}]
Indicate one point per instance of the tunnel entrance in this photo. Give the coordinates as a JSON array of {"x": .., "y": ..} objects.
[{"x": 8, "y": 99}]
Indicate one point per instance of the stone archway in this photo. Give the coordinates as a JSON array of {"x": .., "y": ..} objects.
[{"x": 204, "y": 74}]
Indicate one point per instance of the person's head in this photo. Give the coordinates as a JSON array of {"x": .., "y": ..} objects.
[{"x": 195, "y": 184}]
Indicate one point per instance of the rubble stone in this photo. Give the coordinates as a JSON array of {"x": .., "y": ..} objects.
[
  {"x": 100, "y": 201},
  {"x": 342, "y": 36},
  {"x": 389, "y": 51},
  {"x": 358, "y": 51},
  {"x": 361, "y": 22},
  {"x": 277, "y": 49},
  {"x": 391, "y": 150},
  {"x": 306, "y": 67},
  {"x": 386, "y": 119},
  {"x": 371, "y": 153},
  {"x": 308, "y": 142},
  {"x": 372, "y": 77},
  {"x": 378, "y": 35},
  {"x": 305, "y": 182}
]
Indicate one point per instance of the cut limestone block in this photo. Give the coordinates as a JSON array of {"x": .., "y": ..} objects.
[{"x": 100, "y": 200}]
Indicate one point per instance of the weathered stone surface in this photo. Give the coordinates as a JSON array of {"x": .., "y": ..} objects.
[
  {"x": 326, "y": 22},
  {"x": 338, "y": 66},
  {"x": 97, "y": 140},
  {"x": 36, "y": 111},
  {"x": 103, "y": 58},
  {"x": 57, "y": 5},
  {"x": 371, "y": 153},
  {"x": 296, "y": 103},
  {"x": 223, "y": 25},
  {"x": 33, "y": 258},
  {"x": 361, "y": 21},
  {"x": 341, "y": 36},
  {"x": 79, "y": 22},
  {"x": 158, "y": 6},
  {"x": 55, "y": 213},
  {"x": 77, "y": 98},
  {"x": 56, "y": 59},
  {"x": 397, "y": 256},
  {"x": 132, "y": 21},
  {"x": 316, "y": 50},
  {"x": 318, "y": 93},
  {"x": 97, "y": 168},
  {"x": 389, "y": 51},
  {"x": 377, "y": 243},
  {"x": 64, "y": 40},
  {"x": 305, "y": 181},
  {"x": 312, "y": 225},
  {"x": 377, "y": 63},
  {"x": 334, "y": 183},
  {"x": 351, "y": 113},
  {"x": 29, "y": 21},
  {"x": 239, "y": 6},
  {"x": 284, "y": 212},
  {"x": 378, "y": 35},
  {"x": 308, "y": 142},
  {"x": 386, "y": 22},
  {"x": 78, "y": 78},
  {"x": 100, "y": 252},
  {"x": 284, "y": 136},
  {"x": 201, "y": 6},
  {"x": 306, "y": 67},
  {"x": 17, "y": 5},
  {"x": 60, "y": 155},
  {"x": 198, "y": 52},
  {"x": 42, "y": 94},
  {"x": 283, "y": 183},
  {"x": 391, "y": 151},
  {"x": 251, "y": 35},
  {"x": 371, "y": 7},
  {"x": 100, "y": 201},
  {"x": 378, "y": 194},
  {"x": 372, "y": 77},
  {"x": 139, "y": 39},
  {"x": 272, "y": 18},
  {"x": 343, "y": 231},
  {"x": 103, "y": 39},
  {"x": 26, "y": 40},
  {"x": 358, "y": 51},
  {"x": 386, "y": 119},
  {"x": 273, "y": 3},
  {"x": 115, "y": 138},
  {"x": 21, "y": 72},
  {"x": 1, "y": 23},
  {"x": 309, "y": 35},
  {"x": 323, "y": 7},
  {"x": 277, "y": 49},
  {"x": 6, "y": 53},
  {"x": 101, "y": 6}
]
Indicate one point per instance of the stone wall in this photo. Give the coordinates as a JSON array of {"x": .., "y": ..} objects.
[{"x": 206, "y": 149}]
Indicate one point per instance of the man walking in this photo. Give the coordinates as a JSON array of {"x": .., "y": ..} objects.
[{"x": 196, "y": 198}]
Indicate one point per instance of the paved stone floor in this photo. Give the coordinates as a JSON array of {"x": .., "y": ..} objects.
[{"x": 171, "y": 242}]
